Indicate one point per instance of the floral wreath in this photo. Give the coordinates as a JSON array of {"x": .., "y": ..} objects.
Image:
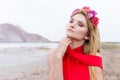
[{"x": 91, "y": 14}]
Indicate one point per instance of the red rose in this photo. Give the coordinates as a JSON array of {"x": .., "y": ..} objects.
[{"x": 95, "y": 21}]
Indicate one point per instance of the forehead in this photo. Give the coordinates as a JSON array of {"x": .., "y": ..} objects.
[{"x": 80, "y": 17}]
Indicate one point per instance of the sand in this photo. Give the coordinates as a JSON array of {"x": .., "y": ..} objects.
[
  {"x": 111, "y": 64},
  {"x": 31, "y": 63},
  {"x": 23, "y": 64}
]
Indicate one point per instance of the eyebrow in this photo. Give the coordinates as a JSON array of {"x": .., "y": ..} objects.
[{"x": 78, "y": 21}]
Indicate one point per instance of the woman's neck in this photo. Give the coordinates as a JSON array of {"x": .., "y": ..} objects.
[{"x": 76, "y": 43}]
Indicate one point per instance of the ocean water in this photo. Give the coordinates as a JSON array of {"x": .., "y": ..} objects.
[
  {"x": 14, "y": 54},
  {"x": 46, "y": 45},
  {"x": 10, "y": 45}
]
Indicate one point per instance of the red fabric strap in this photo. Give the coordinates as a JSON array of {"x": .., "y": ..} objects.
[{"x": 89, "y": 60}]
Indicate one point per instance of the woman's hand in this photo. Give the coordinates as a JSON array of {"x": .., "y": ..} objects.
[
  {"x": 55, "y": 60},
  {"x": 62, "y": 46}
]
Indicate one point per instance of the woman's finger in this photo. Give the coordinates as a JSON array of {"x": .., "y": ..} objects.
[
  {"x": 69, "y": 42},
  {"x": 63, "y": 40},
  {"x": 68, "y": 39}
]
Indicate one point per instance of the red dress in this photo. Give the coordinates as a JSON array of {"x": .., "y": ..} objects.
[{"x": 76, "y": 64}]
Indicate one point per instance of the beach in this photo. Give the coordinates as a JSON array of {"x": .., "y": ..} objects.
[
  {"x": 31, "y": 63},
  {"x": 24, "y": 64},
  {"x": 111, "y": 61}
]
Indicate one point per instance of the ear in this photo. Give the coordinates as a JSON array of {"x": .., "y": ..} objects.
[{"x": 86, "y": 38}]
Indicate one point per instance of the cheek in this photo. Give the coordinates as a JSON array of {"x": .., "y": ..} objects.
[{"x": 81, "y": 32}]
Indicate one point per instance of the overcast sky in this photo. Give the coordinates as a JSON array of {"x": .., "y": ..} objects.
[{"x": 49, "y": 17}]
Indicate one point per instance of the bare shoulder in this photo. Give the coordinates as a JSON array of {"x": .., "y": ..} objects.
[{"x": 99, "y": 54}]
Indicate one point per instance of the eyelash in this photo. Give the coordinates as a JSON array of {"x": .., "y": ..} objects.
[
  {"x": 80, "y": 24},
  {"x": 71, "y": 21}
]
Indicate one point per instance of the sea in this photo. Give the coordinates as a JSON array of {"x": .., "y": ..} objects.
[{"x": 46, "y": 45}]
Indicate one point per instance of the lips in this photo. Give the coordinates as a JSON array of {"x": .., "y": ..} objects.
[{"x": 70, "y": 30}]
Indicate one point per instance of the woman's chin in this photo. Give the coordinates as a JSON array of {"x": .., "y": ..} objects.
[
  {"x": 68, "y": 35},
  {"x": 72, "y": 37}
]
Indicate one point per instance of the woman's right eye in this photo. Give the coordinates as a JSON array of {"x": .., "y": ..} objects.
[{"x": 71, "y": 21}]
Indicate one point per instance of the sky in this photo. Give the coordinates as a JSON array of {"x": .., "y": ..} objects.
[{"x": 49, "y": 18}]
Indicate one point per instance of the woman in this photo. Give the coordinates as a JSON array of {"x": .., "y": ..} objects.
[{"x": 77, "y": 57}]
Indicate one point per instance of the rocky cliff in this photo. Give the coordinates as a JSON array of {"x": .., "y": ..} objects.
[{"x": 13, "y": 33}]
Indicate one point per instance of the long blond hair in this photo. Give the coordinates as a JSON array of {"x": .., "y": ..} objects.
[{"x": 91, "y": 46}]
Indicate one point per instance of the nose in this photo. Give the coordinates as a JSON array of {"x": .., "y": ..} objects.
[{"x": 72, "y": 25}]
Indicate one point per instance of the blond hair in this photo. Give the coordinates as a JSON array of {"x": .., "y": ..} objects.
[{"x": 91, "y": 46}]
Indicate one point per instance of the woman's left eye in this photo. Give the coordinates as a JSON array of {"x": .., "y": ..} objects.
[{"x": 81, "y": 25}]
